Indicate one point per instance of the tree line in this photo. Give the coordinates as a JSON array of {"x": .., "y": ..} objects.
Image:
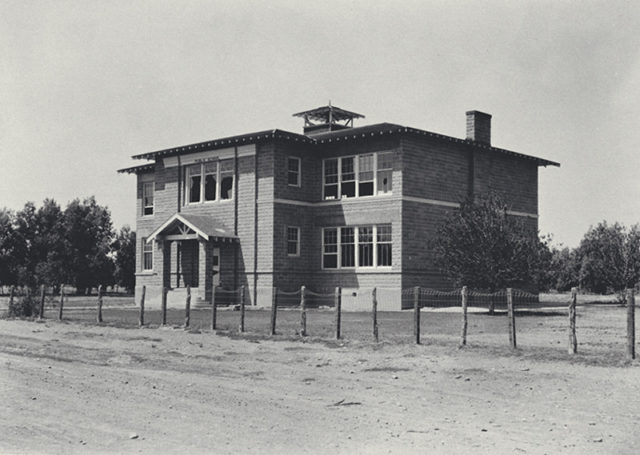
[
  {"x": 77, "y": 246},
  {"x": 482, "y": 247}
]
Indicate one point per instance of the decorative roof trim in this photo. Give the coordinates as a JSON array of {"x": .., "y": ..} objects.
[{"x": 137, "y": 169}]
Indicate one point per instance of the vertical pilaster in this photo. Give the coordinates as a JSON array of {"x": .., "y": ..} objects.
[{"x": 205, "y": 270}]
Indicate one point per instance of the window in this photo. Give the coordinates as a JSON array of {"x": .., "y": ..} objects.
[
  {"x": 385, "y": 172},
  {"x": 147, "y": 255},
  {"x": 383, "y": 241},
  {"x": 330, "y": 248},
  {"x": 293, "y": 241},
  {"x": 356, "y": 247},
  {"x": 226, "y": 176},
  {"x": 147, "y": 198},
  {"x": 210, "y": 181},
  {"x": 194, "y": 178},
  {"x": 362, "y": 175},
  {"x": 293, "y": 171},
  {"x": 331, "y": 179}
]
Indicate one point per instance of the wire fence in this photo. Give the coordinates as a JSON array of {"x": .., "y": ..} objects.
[{"x": 320, "y": 313}]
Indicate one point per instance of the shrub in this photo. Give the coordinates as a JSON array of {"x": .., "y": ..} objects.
[{"x": 23, "y": 307}]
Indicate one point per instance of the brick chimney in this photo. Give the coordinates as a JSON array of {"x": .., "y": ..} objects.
[{"x": 479, "y": 127}]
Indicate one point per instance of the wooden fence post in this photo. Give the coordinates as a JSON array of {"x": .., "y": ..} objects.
[
  {"x": 338, "y": 310},
  {"x": 465, "y": 321},
  {"x": 303, "y": 313},
  {"x": 512, "y": 319},
  {"x": 573, "y": 342},
  {"x": 274, "y": 309},
  {"x": 99, "y": 318},
  {"x": 631, "y": 324},
  {"x": 187, "y": 309},
  {"x": 214, "y": 309},
  {"x": 61, "y": 302},
  {"x": 11, "y": 292},
  {"x": 41, "y": 314},
  {"x": 374, "y": 313},
  {"x": 416, "y": 313},
  {"x": 142, "y": 297},
  {"x": 242, "y": 308},
  {"x": 163, "y": 307}
]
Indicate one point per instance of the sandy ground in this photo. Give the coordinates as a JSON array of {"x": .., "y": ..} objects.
[{"x": 76, "y": 388}]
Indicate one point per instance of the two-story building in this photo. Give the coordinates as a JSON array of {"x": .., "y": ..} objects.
[{"x": 335, "y": 206}]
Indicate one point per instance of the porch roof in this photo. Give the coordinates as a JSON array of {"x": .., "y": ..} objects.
[{"x": 206, "y": 227}]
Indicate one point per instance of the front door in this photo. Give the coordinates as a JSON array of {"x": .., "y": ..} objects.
[{"x": 215, "y": 260}]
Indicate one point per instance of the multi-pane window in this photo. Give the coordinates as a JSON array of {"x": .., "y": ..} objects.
[
  {"x": 331, "y": 178},
  {"x": 293, "y": 171},
  {"x": 147, "y": 255},
  {"x": 356, "y": 246},
  {"x": 383, "y": 243},
  {"x": 330, "y": 248},
  {"x": 355, "y": 176},
  {"x": 293, "y": 241},
  {"x": 210, "y": 181},
  {"x": 147, "y": 198}
]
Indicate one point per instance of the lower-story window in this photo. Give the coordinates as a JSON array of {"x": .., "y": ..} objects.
[
  {"x": 356, "y": 246},
  {"x": 293, "y": 241},
  {"x": 147, "y": 255}
]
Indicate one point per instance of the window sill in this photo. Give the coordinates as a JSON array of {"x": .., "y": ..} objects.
[
  {"x": 146, "y": 273},
  {"x": 361, "y": 270}
]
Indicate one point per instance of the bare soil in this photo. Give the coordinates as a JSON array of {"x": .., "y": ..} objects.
[{"x": 73, "y": 387}]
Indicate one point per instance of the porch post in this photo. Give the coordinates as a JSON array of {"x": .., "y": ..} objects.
[
  {"x": 205, "y": 270},
  {"x": 164, "y": 248}
]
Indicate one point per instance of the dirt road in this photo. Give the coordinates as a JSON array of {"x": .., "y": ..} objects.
[{"x": 72, "y": 388}]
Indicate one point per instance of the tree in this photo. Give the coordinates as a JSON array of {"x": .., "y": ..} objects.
[
  {"x": 88, "y": 230},
  {"x": 50, "y": 248},
  {"x": 8, "y": 272},
  {"x": 564, "y": 269},
  {"x": 609, "y": 258},
  {"x": 124, "y": 250},
  {"x": 481, "y": 247}
]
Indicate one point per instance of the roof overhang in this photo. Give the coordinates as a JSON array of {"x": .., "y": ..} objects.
[
  {"x": 140, "y": 169},
  {"x": 192, "y": 227}
]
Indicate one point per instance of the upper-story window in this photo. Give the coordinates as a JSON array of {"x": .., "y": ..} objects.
[
  {"x": 147, "y": 198},
  {"x": 356, "y": 176},
  {"x": 293, "y": 171},
  {"x": 216, "y": 184}
]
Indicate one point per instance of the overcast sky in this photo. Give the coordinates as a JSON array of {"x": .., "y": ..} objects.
[{"x": 85, "y": 85}]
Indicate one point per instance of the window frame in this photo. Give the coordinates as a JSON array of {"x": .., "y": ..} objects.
[
  {"x": 146, "y": 252},
  {"x": 145, "y": 185},
  {"x": 219, "y": 175},
  {"x": 298, "y": 171},
  {"x": 356, "y": 172},
  {"x": 296, "y": 241},
  {"x": 356, "y": 248}
]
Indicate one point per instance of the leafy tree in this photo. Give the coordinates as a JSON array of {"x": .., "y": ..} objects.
[
  {"x": 88, "y": 230},
  {"x": 609, "y": 258},
  {"x": 8, "y": 273},
  {"x": 124, "y": 249},
  {"x": 50, "y": 247},
  {"x": 481, "y": 247},
  {"x": 564, "y": 269},
  {"x": 25, "y": 232}
]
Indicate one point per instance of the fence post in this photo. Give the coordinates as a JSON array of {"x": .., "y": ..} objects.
[
  {"x": 11, "y": 292},
  {"x": 631, "y": 324},
  {"x": 416, "y": 313},
  {"x": 214, "y": 309},
  {"x": 465, "y": 323},
  {"x": 41, "y": 314},
  {"x": 274, "y": 309},
  {"x": 61, "y": 302},
  {"x": 512, "y": 319},
  {"x": 142, "y": 297},
  {"x": 242, "y": 308},
  {"x": 338, "y": 310},
  {"x": 99, "y": 318},
  {"x": 573, "y": 342},
  {"x": 374, "y": 313},
  {"x": 163, "y": 307},
  {"x": 303, "y": 313},
  {"x": 187, "y": 309}
]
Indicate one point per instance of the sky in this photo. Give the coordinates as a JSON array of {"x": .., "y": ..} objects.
[{"x": 85, "y": 85}]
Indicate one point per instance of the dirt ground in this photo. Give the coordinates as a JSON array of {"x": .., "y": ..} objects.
[{"x": 78, "y": 388}]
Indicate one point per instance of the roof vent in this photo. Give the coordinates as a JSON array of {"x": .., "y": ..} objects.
[{"x": 327, "y": 118}]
